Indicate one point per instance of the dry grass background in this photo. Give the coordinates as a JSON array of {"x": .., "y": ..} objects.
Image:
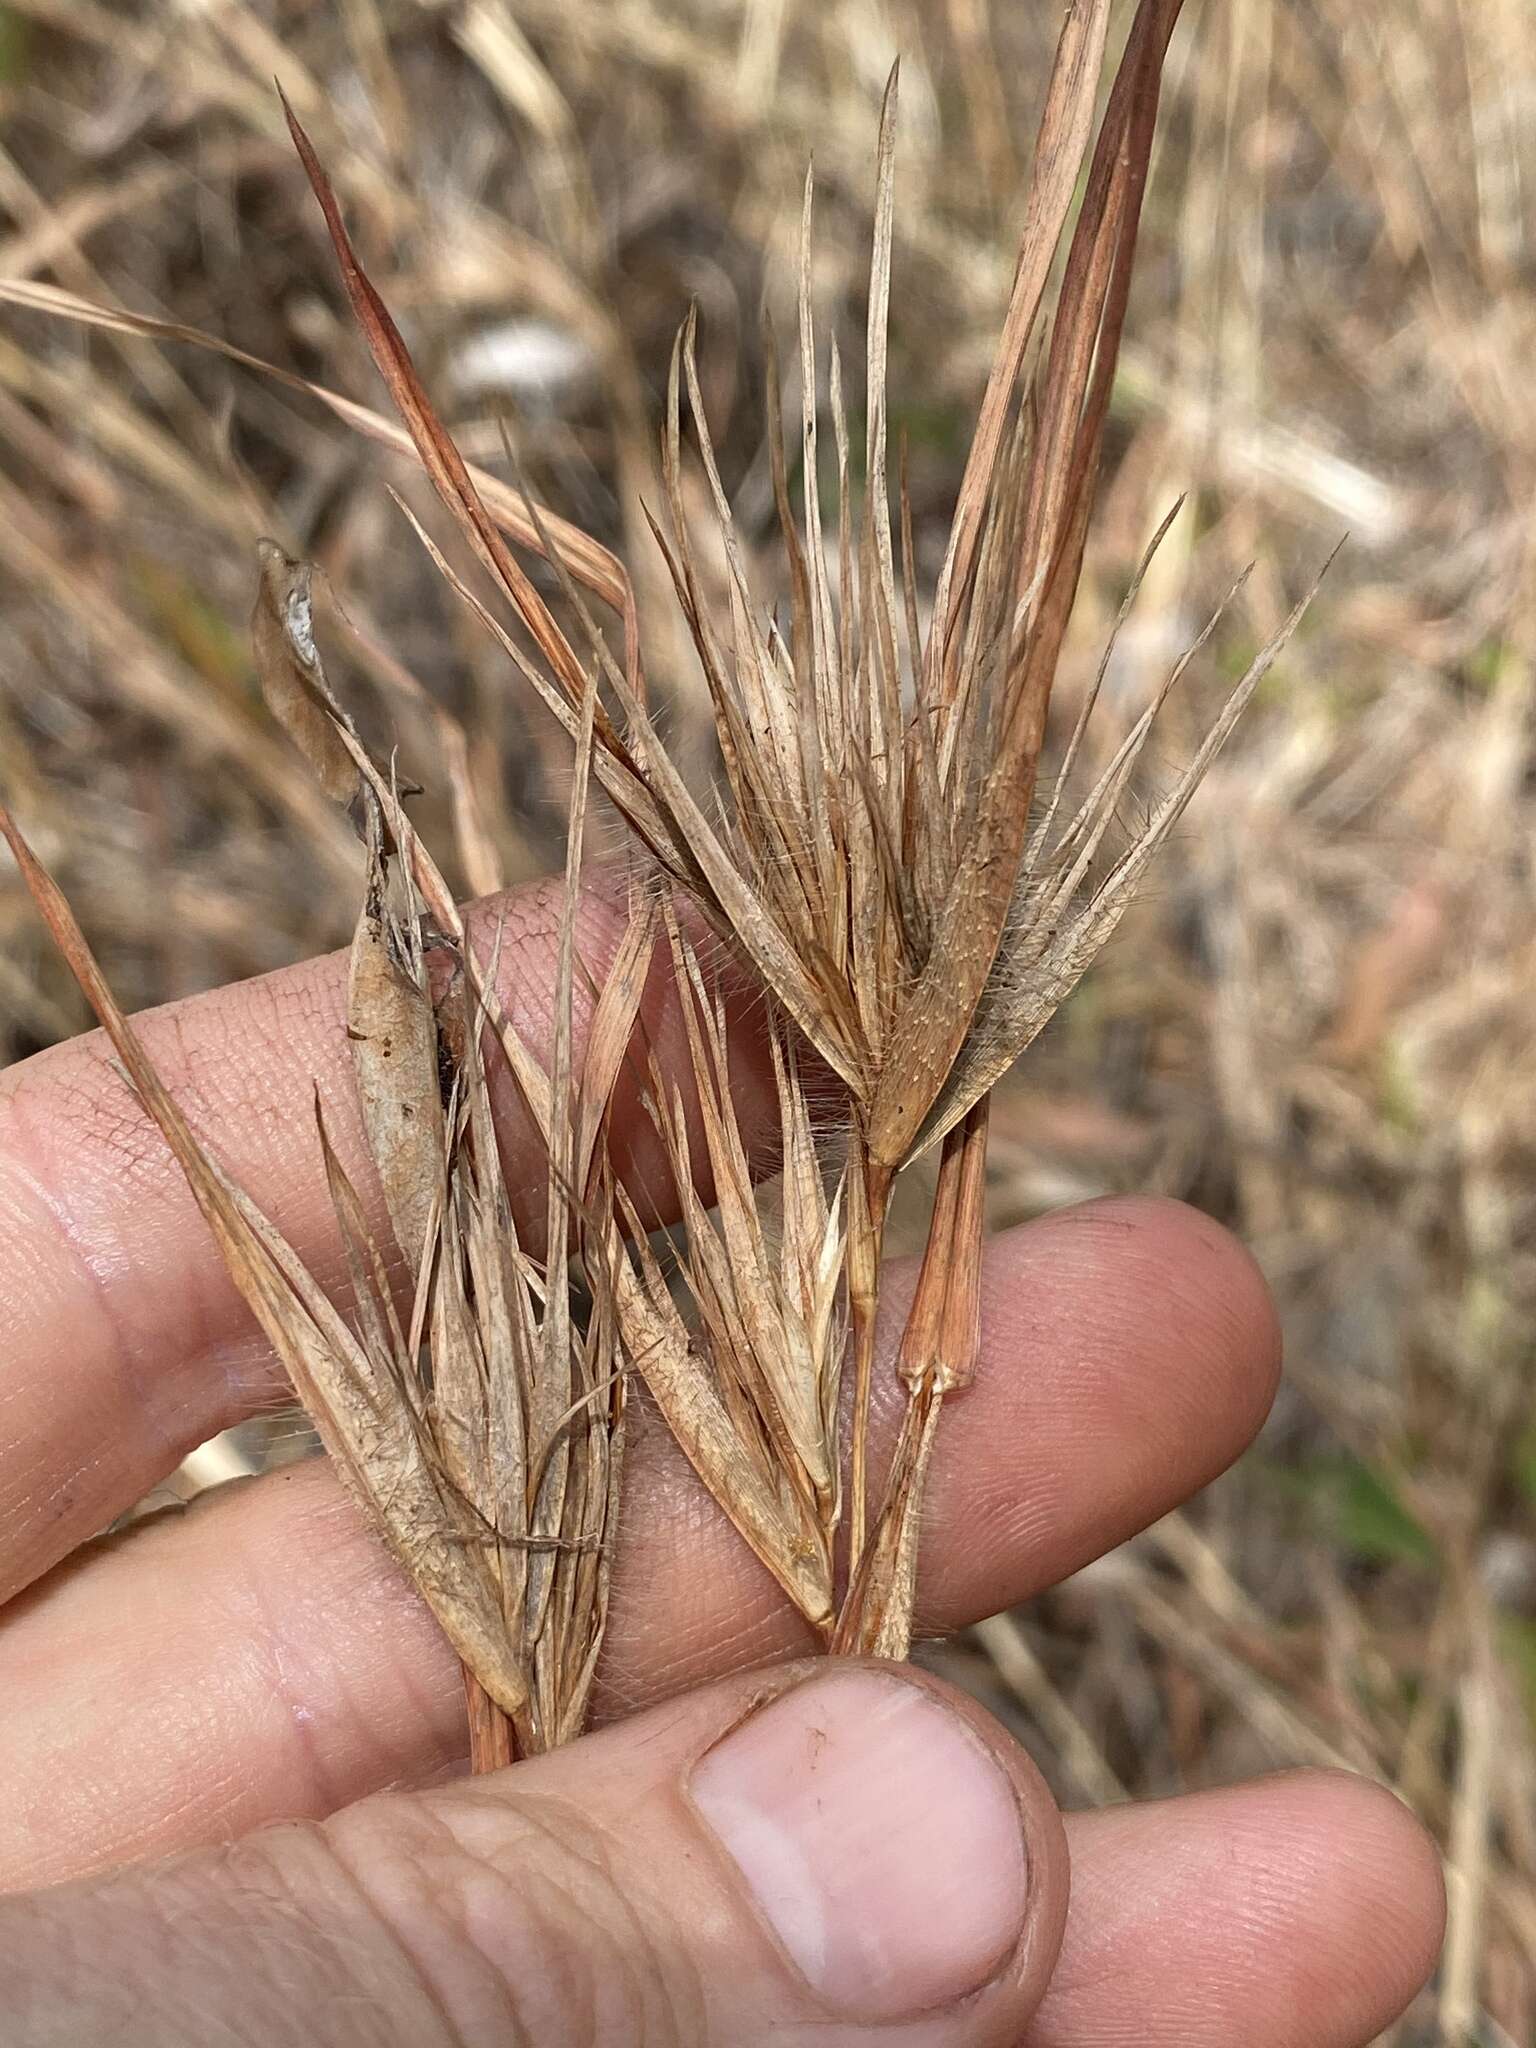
[{"x": 1317, "y": 1025}]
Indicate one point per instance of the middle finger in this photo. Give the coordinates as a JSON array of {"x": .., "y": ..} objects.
[{"x": 260, "y": 1658}]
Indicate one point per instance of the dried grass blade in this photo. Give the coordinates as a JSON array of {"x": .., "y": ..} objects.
[
  {"x": 595, "y": 567},
  {"x": 370, "y": 1438},
  {"x": 373, "y": 1303},
  {"x": 1074, "y": 855},
  {"x": 1040, "y": 836},
  {"x": 886, "y": 747},
  {"x": 929, "y": 1033},
  {"x": 789, "y": 532},
  {"x": 439, "y": 457},
  {"x": 613, "y": 766},
  {"x": 1025, "y": 994},
  {"x": 1066, "y": 122},
  {"x": 612, "y": 1030},
  {"x": 553, "y": 1388}
]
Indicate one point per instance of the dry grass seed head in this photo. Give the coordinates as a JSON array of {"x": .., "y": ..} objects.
[
  {"x": 875, "y": 842},
  {"x": 483, "y": 1430}
]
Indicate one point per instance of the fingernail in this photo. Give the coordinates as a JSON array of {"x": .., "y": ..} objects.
[{"x": 880, "y": 1839}]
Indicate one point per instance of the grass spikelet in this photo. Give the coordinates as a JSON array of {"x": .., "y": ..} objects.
[
  {"x": 477, "y": 1422},
  {"x": 874, "y": 841},
  {"x": 765, "y": 1349}
]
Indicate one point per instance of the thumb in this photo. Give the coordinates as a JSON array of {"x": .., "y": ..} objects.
[{"x": 837, "y": 1855}]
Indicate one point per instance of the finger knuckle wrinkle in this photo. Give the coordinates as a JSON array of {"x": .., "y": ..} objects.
[{"x": 516, "y": 1924}]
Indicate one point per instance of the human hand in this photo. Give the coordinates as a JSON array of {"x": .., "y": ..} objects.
[{"x": 778, "y": 1852}]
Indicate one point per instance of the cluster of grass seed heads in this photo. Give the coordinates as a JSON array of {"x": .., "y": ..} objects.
[{"x": 873, "y": 856}]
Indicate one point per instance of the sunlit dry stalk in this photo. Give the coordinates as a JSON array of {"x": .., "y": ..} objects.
[{"x": 937, "y": 1357}]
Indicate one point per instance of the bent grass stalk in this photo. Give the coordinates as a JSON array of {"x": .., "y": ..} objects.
[{"x": 874, "y": 860}]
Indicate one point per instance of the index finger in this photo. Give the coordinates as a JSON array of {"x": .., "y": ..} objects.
[{"x": 126, "y": 1344}]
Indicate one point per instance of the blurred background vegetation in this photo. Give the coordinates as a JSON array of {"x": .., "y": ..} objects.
[{"x": 1318, "y": 1025}]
